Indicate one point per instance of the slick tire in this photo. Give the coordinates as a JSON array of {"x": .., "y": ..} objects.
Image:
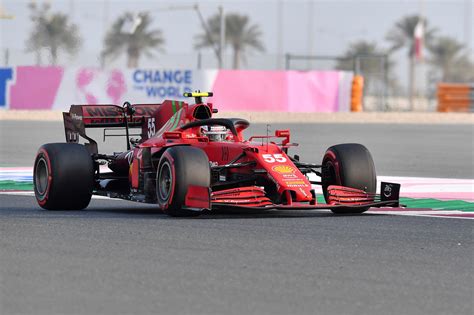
[
  {"x": 63, "y": 176},
  {"x": 180, "y": 167},
  {"x": 349, "y": 165}
]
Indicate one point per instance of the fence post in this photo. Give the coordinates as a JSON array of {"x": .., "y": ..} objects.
[{"x": 287, "y": 61}]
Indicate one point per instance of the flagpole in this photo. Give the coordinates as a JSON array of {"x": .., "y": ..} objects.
[
  {"x": 421, "y": 63},
  {"x": 279, "y": 27},
  {"x": 468, "y": 26},
  {"x": 418, "y": 55}
]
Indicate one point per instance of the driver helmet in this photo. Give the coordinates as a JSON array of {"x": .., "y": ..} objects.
[{"x": 214, "y": 133}]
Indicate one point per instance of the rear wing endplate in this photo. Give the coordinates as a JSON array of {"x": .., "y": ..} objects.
[{"x": 81, "y": 117}]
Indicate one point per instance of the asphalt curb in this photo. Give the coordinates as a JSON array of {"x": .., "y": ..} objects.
[{"x": 284, "y": 117}]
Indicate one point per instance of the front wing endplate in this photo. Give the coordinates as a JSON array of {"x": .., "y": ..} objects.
[
  {"x": 339, "y": 197},
  {"x": 304, "y": 206}
]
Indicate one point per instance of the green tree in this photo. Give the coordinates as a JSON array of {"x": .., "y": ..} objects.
[
  {"x": 402, "y": 35},
  {"x": 239, "y": 34},
  {"x": 130, "y": 34},
  {"x": 51, "y": 31},
  {"x": 447, "y": 56}
]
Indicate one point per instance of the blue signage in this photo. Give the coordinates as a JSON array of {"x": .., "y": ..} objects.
[
  {"x": 6, "y": 74},
  {"x": 163, "y": 84}
]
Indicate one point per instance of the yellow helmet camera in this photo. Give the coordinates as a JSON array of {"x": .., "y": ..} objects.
[{"x": 198, "y": 95}]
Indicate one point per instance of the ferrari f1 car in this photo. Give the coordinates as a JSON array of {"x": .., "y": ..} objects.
[{"x": 186, "y": 162}]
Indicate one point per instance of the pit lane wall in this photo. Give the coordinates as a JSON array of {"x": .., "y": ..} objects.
[{"x": 55, "y": 88}]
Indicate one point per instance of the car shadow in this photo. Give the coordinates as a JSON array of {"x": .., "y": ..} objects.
[
  {"x": 152, "y": 211},
  {"x": 126, "y": 209}
]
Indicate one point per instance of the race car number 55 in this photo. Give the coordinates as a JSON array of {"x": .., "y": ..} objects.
[
  {"x": 272, "y": 158},
  {"x": 151, "y": 127}
]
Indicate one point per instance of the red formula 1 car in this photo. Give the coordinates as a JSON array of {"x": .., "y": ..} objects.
[{"x": 187, "y": 162}]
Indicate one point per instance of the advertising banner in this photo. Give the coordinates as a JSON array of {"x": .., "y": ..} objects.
[{"x": 31, "y": 87}]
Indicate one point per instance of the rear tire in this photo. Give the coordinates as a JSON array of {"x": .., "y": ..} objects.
[
  {"x": 63, "y": 176},
  {"x": 180, "y": 167},
  {"x": 349, "y": 165}
]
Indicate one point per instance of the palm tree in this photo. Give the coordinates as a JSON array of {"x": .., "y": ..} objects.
[
  {"x": 463, "y": 70},
  {"x": 130, "y": 34},
  {"x": 403, "y": 35},
  {"x": 53, "y": 32},
  {"x": 239, "y": 34},
  {"x": 361, "y": 49},
  {"x": 445, "y": 55}
]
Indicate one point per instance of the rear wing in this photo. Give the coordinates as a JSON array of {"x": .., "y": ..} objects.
[{"x": 81, "y": 117}]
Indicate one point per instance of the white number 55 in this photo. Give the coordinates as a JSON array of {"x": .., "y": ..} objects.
[
  {"x": 151, "y": 127},
  {"x": 272, "y": 158}
]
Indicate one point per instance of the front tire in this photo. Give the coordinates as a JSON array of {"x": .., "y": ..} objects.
[
  {"x": 349, "y": 165},
  {"x": 180, "y": 167},
  {"x": 63, "y": 176}
]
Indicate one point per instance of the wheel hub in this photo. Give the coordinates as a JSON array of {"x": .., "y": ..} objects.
[
  {"x": 165, "y": 181},
  {"x": 42, "y": 176}
]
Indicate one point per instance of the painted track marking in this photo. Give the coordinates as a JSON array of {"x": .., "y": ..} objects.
[{"x": 440, "y": 197}]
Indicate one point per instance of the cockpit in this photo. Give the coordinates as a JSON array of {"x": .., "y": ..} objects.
[
  {"x": 216, "y": 133},
  {"x": 218, "y": 129}
]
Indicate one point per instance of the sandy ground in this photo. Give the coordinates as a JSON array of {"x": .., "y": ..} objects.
[{"x": 275, "y": 117}]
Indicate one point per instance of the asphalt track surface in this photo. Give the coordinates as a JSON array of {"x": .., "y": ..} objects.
[
  {"x": 398, "y": 150},
  {"x": 119, "y": 257}
]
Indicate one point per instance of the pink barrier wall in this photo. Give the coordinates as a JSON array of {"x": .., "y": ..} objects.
[
  {"x": 35, "y": 87},
  {"x": 250, "y": 91},
  {"x": 282, "y": 91},
  {"x": 313, "y": 91},
  {"x": 31, "y": 87}
]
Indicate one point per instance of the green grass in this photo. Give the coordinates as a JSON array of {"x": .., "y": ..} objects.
[
  {"x": 436, "y": 204},
  {"x": 13, "y": 185},
  {"x": 430, "y": 203}
]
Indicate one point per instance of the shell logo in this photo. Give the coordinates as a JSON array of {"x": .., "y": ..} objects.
[{"x": 283, "y": 169}]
